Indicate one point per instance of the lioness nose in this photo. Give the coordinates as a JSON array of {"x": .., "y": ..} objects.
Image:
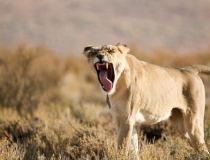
[{"x": 100, "y": 57}]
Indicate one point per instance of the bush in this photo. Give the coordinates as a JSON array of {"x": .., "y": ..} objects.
[{"x": 28, "y": 76}]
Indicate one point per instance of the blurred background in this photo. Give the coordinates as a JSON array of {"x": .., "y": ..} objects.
[
  {"x": 51, "y": 105},
  {"x": 67, "y": 26}
]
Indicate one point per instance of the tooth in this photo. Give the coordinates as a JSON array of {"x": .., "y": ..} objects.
[
  {"x": 97, "y": 66},
  {"x": 107, "y": 65}
]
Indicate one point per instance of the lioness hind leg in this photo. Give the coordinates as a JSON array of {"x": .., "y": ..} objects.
[
  {"x": 190, "y": 128},
  {"x": 195, "y": 129},
  {"x": 177, "y": 121}
]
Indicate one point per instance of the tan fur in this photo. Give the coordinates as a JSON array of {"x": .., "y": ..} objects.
[{"x": 144, "y": 93}]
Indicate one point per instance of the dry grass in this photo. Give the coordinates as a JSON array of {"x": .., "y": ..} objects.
[{"x": 49, "y": 109}]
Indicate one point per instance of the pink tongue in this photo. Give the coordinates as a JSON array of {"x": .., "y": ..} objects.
[{"x": 107, "y": 84}]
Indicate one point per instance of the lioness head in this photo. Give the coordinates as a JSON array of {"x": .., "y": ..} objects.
[{"x": 107, "y": 61}]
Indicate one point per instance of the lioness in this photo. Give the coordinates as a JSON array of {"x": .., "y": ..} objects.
[{"x": 140, "y": 92}]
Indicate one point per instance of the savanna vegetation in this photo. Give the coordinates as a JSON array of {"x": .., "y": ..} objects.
[{"x": 51, "y": 108}]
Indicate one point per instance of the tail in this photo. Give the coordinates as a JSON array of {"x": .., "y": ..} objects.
[{"x": 198, "y": 69}]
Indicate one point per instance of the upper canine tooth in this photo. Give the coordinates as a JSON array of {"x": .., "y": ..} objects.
[
  {"x": 107, "y": 65},
  {"x": 97, "y": 66}
]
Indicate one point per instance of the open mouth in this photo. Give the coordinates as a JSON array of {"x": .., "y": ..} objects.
[{"x": 105, "y": 72}]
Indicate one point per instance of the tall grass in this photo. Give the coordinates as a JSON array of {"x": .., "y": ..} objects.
[{"x": 52, "y": 108}]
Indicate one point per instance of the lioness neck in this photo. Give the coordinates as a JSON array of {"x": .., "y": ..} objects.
[{"x": 130, "y": 76}]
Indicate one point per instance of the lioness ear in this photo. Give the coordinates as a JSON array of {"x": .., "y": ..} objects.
[
  {"x": 87, "y": 50},
  {"x": 123, "y": 48}
]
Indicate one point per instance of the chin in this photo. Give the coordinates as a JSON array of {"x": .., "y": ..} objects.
[{"x": 112, "y": 91}]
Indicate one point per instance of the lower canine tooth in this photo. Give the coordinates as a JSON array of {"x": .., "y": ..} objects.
[{"x": 107, "y": 65}]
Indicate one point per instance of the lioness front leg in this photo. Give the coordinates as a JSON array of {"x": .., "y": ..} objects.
[
  {"x": 134, "y": 141},
  {"x": 124, "y": 132},
  {"x": 127, "y": 137}
]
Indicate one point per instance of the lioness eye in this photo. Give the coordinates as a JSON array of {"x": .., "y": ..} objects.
[
  {"x": 92, "y": 54},
  {"x": 111, "y": 51}
]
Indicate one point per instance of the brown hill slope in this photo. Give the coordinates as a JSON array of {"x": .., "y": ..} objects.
[{"x": 70, "y": 25}]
